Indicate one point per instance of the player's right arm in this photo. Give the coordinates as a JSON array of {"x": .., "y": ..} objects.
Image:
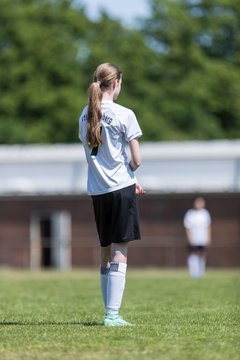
[{"x": 209, "y": 235}]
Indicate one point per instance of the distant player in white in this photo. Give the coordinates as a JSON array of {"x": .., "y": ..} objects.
[
  {"x": 197, "y": 223},
  {"x": 105, "y": 128}
]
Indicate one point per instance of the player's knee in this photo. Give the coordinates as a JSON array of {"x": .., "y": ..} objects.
[{"x": 119, "y": 254}]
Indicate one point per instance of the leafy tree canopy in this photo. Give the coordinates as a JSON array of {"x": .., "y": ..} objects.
[{"x": 180, "y": 70}]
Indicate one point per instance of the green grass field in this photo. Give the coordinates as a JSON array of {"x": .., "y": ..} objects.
[{"x": 58, "y": 315}]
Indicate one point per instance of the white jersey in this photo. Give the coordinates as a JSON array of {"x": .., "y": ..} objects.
[
  {"x": 108, "y": 168},
  {"x": 198, "y": 222}
]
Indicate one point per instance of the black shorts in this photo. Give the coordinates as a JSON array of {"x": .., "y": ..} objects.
[
  {"x": 196, "y": 248},
  {"x": 116, "y": 216}
]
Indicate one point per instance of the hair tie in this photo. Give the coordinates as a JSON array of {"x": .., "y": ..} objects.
[{"x": 98, "y": 82}]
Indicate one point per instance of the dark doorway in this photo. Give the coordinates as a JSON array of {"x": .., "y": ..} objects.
[{"x": 46, "y": 241}]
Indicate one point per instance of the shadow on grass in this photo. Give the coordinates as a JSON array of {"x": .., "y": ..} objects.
[{"x": 44, "y": 323}]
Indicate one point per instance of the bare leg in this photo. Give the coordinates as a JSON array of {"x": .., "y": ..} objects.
[
  {"x": 106, "y": 256},
  {"x": 119, "y": 252}
]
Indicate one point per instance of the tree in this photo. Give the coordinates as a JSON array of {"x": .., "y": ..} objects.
[
  {"x": 39, "y": 75},
  {"x": 48, "y": 52},
  {"x": 180, "y": 71},
  {"x": 198, "y": 51}
]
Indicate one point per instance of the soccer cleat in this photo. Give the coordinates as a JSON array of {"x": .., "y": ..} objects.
[{"x": 115, "y": 320}]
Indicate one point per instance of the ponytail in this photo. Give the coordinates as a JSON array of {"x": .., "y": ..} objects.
[
  {"x": 104, "y": 76},
  {"x": 94, "y": 115}
]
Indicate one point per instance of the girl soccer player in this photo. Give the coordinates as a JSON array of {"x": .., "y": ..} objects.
[
  {"x": 105, "y": 128},
  {"x": 197, "y": 223}
]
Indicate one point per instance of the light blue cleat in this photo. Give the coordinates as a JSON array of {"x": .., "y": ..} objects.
[{"x": 115, "y": 320}]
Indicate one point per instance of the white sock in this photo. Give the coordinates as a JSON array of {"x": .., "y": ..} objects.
[
  {"x": 202, "y": 265},
  {"x": 104, "y": 281},
  {"x": 193, "y": 265},
  {"x": 115, "y": 287}
]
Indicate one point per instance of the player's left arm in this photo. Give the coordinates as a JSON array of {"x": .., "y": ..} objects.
[
  {"x": 209, "y": 235},
  {"x": 135, "y": 161}
]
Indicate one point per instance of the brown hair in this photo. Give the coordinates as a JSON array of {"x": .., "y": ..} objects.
[{"x": 104, "y": 76}]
